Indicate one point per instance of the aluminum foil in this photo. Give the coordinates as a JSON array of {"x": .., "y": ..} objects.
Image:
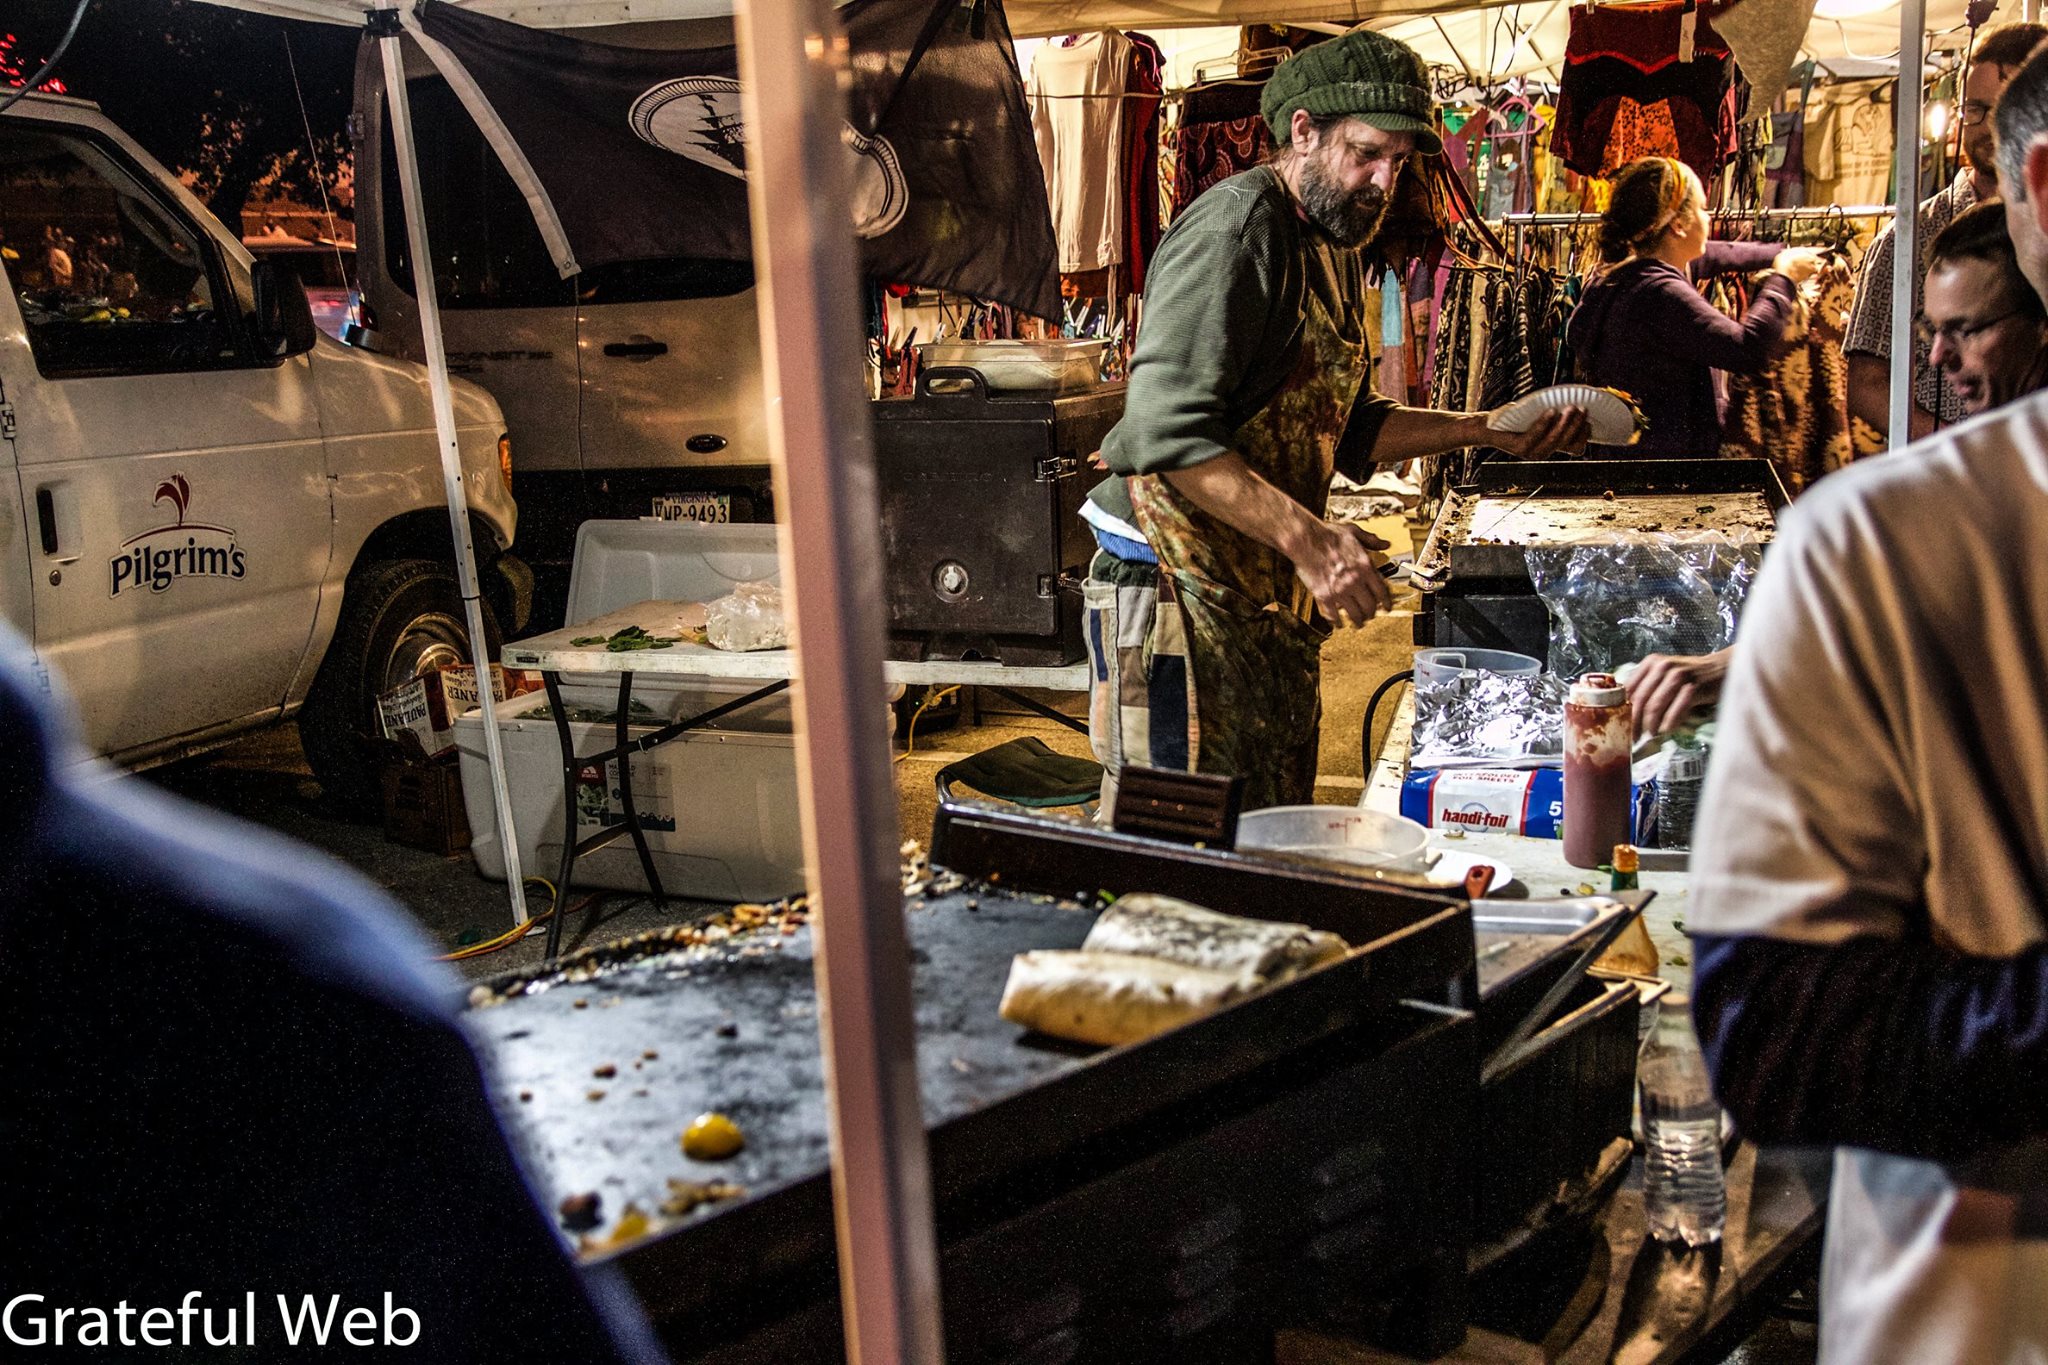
[{"x": 1489, "y": 720}]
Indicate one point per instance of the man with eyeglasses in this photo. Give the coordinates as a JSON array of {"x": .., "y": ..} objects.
[
  {"x": 1984, "y": 328},
  {"x": 1998, "y": 53}
]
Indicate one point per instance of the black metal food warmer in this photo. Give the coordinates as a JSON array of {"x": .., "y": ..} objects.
[{"x": 982, "y": 536}]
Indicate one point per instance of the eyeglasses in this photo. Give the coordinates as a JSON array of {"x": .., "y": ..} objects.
[
  {"x": 1972, "y": 113},
  {"x": 1957, "y": 333}
]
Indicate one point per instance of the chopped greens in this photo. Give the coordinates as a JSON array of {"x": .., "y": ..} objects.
[{"x": 626, "y": 640}]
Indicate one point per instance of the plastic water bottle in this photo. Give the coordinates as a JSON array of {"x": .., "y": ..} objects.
[
  {"x": 1685, "y": 1196},
  {"x": 1678, "y": 801}
]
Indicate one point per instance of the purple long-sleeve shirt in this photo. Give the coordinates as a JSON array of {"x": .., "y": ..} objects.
[{"x": 1644, "y": 329}]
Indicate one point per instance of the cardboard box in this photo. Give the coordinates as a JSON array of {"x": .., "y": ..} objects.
[
  {"x": 422, "y": 712},
  {"x": 423, "y": 807},
  {"x": 1528, "y": 802}
]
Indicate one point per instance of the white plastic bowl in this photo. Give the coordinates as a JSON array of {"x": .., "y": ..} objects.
[
  {"x": 1344, "y": 833},
  {"x": 1442, "y": 665}
]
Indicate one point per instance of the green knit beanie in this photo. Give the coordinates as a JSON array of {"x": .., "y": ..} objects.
[{"x": 1367, "y": 75}]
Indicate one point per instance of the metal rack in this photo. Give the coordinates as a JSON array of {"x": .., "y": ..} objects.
[
  {"x": 1817, "y": 213},
  {"x": 1521, "y": 222}
]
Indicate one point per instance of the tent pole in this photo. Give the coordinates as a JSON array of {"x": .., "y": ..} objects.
[
  {"x": 1906, "y": 219},
  {"x": 451, "y": 454},
  {"x": 792, "y": 60}
]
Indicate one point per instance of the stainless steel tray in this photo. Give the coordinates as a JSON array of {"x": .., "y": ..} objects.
[{"x": 1530, "y": 953}]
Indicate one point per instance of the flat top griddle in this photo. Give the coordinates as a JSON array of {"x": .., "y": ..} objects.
[
  {"x": 735, "y": 1029},
  {"x": 1482, "y": 529},
  {"x": 1503, "y": 519}
]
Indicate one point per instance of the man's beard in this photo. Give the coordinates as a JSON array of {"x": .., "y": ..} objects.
[
  {"x": 1349, "y": 218},
  {"x": 1982, "y": 154}
]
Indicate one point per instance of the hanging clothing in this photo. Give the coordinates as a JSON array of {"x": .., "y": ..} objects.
[
  {"x": 1145, "y": 86},
  {"x": 1238, "y": 267},
  {"x": 1785, "y": 162},
  {"x": 1463, "y": 133},
  {"x": 1510, "y": 154},
  {"x": 1221, "y": 133},
  {"x": 1622, "y": 77},
  {"x": 1459, "y": 349},
  {"x": 1643, "y": 328},
  {"x": 1077, "y": 116},
  {"x": 1847, "y": 143},
  {"x": 1795, "y": 412},
  {"x": 1639, "y": 130}
]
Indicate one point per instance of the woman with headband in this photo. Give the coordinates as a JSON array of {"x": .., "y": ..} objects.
[{"x": 1643, "y": 327}]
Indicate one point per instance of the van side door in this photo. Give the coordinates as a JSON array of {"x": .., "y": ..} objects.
[
  {"x": 674, "y": 420},
  {"x": 174, "y": 478},
  {"x": 17, "y": 603}
]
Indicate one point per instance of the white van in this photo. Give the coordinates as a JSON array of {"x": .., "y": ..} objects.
[
  {"x": 630, "y": 390},
  {"x": 212, "y": 516}
]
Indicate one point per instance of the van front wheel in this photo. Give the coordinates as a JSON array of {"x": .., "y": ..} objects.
[{"x": 402, "y": 619}]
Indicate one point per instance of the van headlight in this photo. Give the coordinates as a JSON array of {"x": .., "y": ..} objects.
[{"x": 505, "y": 459}]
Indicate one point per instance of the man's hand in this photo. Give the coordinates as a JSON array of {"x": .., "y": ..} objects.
[
  {"x": 1666, "y": 688},
  {"x": 1337, "y": 565},
  {"x": 1563, "y": 432}
]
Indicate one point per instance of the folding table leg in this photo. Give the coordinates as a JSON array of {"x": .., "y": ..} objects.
[
  {"x": 570, "y": 766},
  {"x": 626, "y": 793}
]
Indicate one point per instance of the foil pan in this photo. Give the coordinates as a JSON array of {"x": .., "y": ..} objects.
[{"x": 1476, "y": 719}]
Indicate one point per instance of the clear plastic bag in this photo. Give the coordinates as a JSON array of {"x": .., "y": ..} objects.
[
  {"x": 747, "y": 618},
  {"x": 1616, "y": 601}
]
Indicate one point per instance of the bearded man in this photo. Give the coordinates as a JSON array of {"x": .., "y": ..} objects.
[{"x": 1218, "y": 578}]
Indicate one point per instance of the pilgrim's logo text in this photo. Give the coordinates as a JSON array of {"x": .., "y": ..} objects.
[{"x": 161, "y": 556}]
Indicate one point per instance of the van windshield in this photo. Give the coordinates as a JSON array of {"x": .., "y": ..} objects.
[{"x": 487, "y": 251}]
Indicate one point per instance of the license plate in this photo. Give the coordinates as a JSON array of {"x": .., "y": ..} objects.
[{"x": 706, "y": 507}]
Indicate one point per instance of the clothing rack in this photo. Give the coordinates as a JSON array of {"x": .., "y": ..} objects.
[
  {"x": 1815, "y": 214},
  {"x": 1522, "y": 222}
]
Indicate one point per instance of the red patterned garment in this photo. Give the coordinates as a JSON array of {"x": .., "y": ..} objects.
[{"x": 1626, "y": 57}]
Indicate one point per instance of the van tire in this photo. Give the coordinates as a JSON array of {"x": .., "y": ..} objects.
[{"x": 401, "y": 618}]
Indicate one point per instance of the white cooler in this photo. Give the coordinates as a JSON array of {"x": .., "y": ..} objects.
[{"x": 719, "y": 805}]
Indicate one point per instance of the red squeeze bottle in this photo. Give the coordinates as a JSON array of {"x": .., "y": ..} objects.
[{"x": 1596, "y": 770}]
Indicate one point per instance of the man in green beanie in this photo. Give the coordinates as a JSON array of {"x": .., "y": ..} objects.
[{"x": 1218, "y": 578}]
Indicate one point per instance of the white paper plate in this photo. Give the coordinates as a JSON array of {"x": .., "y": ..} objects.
[
  {"x": 1611, "y": 414},
  {"x": 1450, "y": 869}
]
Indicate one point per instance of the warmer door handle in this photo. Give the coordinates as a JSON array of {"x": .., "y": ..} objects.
[{"x": 646, "y": 348}]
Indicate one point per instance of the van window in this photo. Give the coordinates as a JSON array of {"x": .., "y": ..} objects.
[
  {"x": 675, "y": 277},
  {"x": 487, "y": 251},
  {"x": 315, "y": 267},
  {"x": 109, "y": 279}
]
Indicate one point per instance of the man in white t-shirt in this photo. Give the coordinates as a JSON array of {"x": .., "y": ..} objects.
[{"x": 1870, "y": 874}]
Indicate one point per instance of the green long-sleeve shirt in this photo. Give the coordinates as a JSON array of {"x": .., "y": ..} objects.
[{"x": 1222, "y": 331}]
